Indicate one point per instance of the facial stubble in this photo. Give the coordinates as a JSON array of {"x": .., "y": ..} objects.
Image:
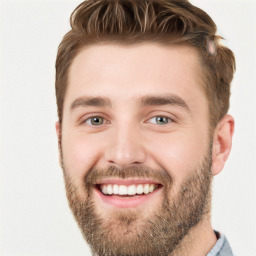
[{"x": 127, "y": 233}]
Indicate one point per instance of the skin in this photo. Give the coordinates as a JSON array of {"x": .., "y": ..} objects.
[{"x": 130, "y": 135}]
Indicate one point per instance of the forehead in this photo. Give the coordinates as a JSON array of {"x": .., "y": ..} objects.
[{"x": 125, "y": 72}]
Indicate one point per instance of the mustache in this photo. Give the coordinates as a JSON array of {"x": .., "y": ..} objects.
[{"x": 95, "y": 175}]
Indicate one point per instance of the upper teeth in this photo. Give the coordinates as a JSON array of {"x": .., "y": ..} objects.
[{"x": 115, "y": 189}]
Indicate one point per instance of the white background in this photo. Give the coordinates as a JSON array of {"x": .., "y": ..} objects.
[{"x": 35, "y": 218}]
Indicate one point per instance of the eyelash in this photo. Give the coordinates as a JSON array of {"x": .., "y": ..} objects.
[
  {"x": 90, "y": 118},
  {"x": 170, "y": 120}
]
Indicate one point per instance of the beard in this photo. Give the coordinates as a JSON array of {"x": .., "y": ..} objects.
[{"x": 134, "y": 232}]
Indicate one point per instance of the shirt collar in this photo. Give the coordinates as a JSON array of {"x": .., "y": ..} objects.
[{"x": 216, "y": 248}]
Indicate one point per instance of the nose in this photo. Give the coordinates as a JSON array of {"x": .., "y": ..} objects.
[{"x": 125, "y": 148}]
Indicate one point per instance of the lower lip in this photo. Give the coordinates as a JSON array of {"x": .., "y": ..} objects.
[{"x": 127, "y": 202}]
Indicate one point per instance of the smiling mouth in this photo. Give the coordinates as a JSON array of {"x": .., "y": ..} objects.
[
  {"x": 126, "y": 193},
  {"x": 127, "y": 190}
]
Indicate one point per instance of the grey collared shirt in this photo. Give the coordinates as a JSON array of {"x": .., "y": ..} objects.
[{"x": 221, "y": 248}]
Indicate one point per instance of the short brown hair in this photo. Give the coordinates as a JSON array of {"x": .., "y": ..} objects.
[{"x": 166, "y": 22}]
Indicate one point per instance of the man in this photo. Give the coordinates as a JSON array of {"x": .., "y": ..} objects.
[{"x": 143, "y": 92}]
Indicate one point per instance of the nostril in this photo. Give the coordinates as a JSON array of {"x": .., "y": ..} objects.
[{"x": 126, "y": 153}]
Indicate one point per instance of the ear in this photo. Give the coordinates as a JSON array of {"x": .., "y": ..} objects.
[
  {"x": 58, "y": 131},
  {"x": 222, "y": 143},
  {"x": 57, "y": 127}
]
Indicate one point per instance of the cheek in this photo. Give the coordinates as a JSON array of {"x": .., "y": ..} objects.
[
  {"x": 79, "y": 154},
  {"x": 180, "y": 155}
]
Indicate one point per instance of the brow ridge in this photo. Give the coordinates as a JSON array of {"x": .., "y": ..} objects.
[
  {"x": 145, "y": 101},
  {"x": 173, "y": 100},
  {"x": 91, "y": 101}
]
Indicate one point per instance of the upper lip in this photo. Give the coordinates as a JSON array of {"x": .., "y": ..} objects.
[{"x": 128, "y": 181}]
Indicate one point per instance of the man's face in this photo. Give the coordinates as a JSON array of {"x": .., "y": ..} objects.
[{"x": 135, "y": 146}]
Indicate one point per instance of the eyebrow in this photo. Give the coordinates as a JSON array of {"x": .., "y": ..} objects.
[
  {"x": 91, "y": 101},
  {"x": 145, "y": 101},
  {"x": 172, "y": 100}
]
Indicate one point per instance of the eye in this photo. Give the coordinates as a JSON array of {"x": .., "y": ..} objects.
[
  {"x": 94, "y": 120},
  {"x": 161, "y": 120}
]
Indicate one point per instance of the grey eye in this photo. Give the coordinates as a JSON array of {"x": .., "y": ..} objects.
[
  {"x": 160, "y": 120},
  {"x": 95, "y": 120}
]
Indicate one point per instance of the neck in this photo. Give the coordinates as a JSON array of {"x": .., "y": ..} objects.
[{"x": 199, "y": 241}]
